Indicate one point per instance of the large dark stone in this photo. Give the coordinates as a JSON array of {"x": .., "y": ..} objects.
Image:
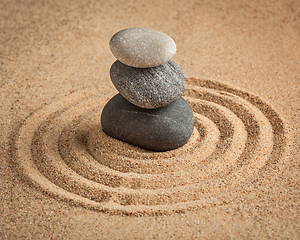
[
  {"x": 158, "y": 129},
  {"x": 149, "y": 88}
]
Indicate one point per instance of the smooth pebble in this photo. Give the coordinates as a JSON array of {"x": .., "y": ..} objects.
[
  {"x": 149, "y": 87},
  {"x": 142, "y": 47},
  {"x": 159, "y": 129}
]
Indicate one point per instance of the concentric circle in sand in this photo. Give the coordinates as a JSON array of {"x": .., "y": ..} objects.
[{"x": 62, "y": 150}]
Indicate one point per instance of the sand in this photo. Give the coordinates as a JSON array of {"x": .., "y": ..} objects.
[{"x": 61, "y": 177}]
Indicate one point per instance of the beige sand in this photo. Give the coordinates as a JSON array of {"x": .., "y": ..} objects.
[{"x": 237, "y": 177}]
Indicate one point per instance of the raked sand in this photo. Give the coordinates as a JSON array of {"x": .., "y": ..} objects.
[{"x": 237, "y": 177}]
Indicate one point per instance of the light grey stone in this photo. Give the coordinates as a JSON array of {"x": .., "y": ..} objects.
[
  {"x": 149, "y": 87},
  {"x": 142, "y": 47}
]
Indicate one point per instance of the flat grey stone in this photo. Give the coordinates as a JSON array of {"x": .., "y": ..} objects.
[
  {"x": 159, "y": 129},
  {"x": 149, "y": 87},
  {"x": 142, "y": 47}
]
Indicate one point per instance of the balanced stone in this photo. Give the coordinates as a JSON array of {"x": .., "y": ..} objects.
[
  {"x": 149, "y": 87},
  {"x": 142, "y": 47},
  {"x": 159, "y": 129}
]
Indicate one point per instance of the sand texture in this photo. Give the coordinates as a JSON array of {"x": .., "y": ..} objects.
[{"x": 62, "y": 177}]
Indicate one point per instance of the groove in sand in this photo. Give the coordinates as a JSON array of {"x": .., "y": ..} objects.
[{"x": 62, "y": 150}]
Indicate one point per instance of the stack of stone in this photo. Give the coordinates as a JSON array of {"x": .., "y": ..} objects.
[{"x": 149, "y": 110}]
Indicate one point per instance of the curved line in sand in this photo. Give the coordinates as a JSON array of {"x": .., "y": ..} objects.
[{"x": 51, "y": 157}]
